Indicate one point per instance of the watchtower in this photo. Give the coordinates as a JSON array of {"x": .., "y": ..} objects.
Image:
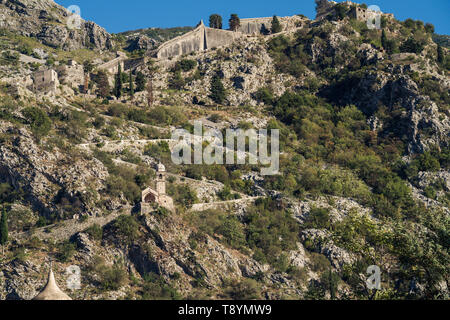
[{"x": 161, "y": 179}]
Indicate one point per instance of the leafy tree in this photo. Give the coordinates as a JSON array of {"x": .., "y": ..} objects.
[
  {"x": 412, "y": 45},
  {"x": 215, "y": 21},
  {"x": 234, "y": 22},
  {"x": 429, "y": 28},
  {"x": 409, "y": 23},
  {"x": 218, "y": 94},
  {"x": 276, "y": 25},
  {"x": 118, "y": 85},
  {"x": 140, "y": 81},
  {"x": 3, "y": 228},
  {"x": 341, "y": 11}
]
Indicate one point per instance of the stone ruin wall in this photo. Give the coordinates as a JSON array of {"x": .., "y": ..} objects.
[
  {"x": 256, "y": 26},
  {"x": 325, "y": 7}
]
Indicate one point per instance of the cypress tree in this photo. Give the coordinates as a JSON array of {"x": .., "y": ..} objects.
[
  {"x": 440, "y": 54},
  {"x": 118, "y": 84},
  {"x": 215, "y": 21},
  {"x": 276, "y": 25},
  {"x": 131, "y": 84},
  {"x": 234, "y": 22},
  {"x": 140, "y": 81},
  {"x": 3, "y": 228},
  {"x": 383, "y": 39},
  {"x": 218, "y": 94},
  {"x": 103, "y": 84}
]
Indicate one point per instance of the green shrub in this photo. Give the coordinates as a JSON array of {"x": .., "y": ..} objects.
[
  {"x": 412, "y": 45},
  {"x": 318, "y": 218},
  {"x": 155, "y": 288},
  {"x": 66, "y": 251},
  {"x": 176, "y": 82},
  {"x": 185, "y": 65},
  {"x": 264, "y": 95},
  {"x": 183, "y": 195},
  {"x": 127, "y": 228},
  {"x": 112, "y": 278},
  {"x": 38, "y": 120},
  {"x": 95, "y": 232},
  {"x": 246, "y": 289}
]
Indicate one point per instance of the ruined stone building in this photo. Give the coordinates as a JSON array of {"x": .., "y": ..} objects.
[
  {"x": 45, "y": 81},
  {"x": 154, "y": 198},
  {"x": 71, "y": 74},
  {"x": 325, "y": 8},
  {"x": 258, "y": 26}
]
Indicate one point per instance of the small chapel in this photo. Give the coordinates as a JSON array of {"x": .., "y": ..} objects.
[{"x": 154, "y": 198}]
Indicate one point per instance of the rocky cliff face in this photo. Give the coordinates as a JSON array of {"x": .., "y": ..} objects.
[
  {"x": 47, "y": 22},
  {"x": 40, "y": 174}
]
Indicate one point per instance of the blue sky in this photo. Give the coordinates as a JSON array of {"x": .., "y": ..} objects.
[{"x": 119, "y": 15}]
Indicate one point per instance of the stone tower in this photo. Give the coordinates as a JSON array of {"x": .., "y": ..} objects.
[{"x": 161, "y": 179}]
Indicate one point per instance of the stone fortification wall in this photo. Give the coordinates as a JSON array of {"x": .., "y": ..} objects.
[
  {"x": 203, "y": 38},
  {"x": 256, "y": 26},
  {"x": 185, "y": 44},
  {"x": 216, "y": 38},
  {"x": 200, "y": 39}
]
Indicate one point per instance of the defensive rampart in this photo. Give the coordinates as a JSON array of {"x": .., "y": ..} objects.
[{"x": 199, "y": 39}]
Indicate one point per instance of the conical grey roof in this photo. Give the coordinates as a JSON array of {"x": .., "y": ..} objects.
[{"x": 51, "y": 290}]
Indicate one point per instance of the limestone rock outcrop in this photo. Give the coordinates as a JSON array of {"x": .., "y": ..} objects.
[{"x": 47, "y": 22}]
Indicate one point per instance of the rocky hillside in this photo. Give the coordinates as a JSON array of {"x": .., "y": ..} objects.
[
  {"x": 365, "y": 133},
  {"x": 148, "y": 39},
  {"x": 47, "y": 21}
]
